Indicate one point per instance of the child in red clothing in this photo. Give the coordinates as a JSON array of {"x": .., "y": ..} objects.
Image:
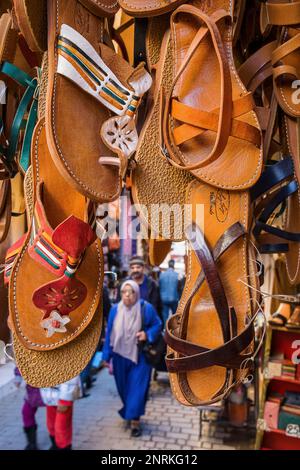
[{"x": 59, "y": 401}]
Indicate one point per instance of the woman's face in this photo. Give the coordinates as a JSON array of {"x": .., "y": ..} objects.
[{"x": 128, "y": 295}]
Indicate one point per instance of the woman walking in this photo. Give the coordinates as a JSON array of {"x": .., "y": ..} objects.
[{"x": 131, "y": 322}]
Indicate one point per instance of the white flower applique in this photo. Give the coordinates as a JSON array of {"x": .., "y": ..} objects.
[{"x": 55, "y": 323}]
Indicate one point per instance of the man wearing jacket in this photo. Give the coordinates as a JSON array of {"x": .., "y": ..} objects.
[
  {"x": 149, "y": 289},
  {"x": 168, "y": 286}
]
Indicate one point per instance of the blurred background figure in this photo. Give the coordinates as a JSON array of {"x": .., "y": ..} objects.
[
  {"x": 59, "y": 402},
  {"x": 32, "y": 401},
  {"x": 131, "y": 322},
  {"x": 169, "y": 291}
]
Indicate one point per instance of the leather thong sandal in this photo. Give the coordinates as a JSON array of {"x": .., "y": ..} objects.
[
  {"x": 210, "y": 126},
  {"x": 92, "y": 99},
  {"x": 211, "y": 338},
  {"x": 57, "y": 324}
]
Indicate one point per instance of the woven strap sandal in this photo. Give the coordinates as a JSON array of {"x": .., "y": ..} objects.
[
  {"x": 107, "y": 92},
  {"x": 210, "y": 127}
]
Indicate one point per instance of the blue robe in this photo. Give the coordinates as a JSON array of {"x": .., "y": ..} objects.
[{"x": 132, "y": 380}]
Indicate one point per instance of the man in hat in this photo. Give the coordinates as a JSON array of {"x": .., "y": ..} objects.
[{"x": 149, "y": 289}]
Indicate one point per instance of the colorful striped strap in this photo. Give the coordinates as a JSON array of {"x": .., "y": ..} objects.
[
  {"x": 80, "y": 62},
  {"x": 48, "y": 247}
]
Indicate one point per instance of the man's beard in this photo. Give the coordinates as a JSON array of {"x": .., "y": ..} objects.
[{"x": 137, "y": 275}]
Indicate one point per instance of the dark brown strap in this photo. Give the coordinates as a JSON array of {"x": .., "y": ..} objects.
[
  {"x": 228, "y": 355},
  {"x": 212, "y": 277},
  {"x": 176, "y": 326}
]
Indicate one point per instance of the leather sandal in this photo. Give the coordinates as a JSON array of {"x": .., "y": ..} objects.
[
  {"x": 281, "y": 316},
  {"x": 92, "y": 99},
  {"x": 211, "y": 336},
  {"x": 60, "y": 266},
  {"x": 210, "y": 126},
  {"x": 294, "y": 321},
  {"x": 18, "y": 115}
]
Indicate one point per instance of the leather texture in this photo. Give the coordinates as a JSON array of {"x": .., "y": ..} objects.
[
  {"x": 101, "y": 7},
  {"x": 154, "y": 180},
  {"x": 149, "y": 8},
  {"x": 59, "y": 202}
]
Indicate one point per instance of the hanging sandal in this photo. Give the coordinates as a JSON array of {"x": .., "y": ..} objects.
[
  {"x": 63, "y": 290},
  {"x": 210, "y": 127},
  {"x": 92, "y": 99},
  {"x": 215, "y": 317},
  {"x": 281, "y": 316}
]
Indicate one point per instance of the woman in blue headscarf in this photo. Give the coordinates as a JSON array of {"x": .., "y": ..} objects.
[{"x": 131, "y": 322}]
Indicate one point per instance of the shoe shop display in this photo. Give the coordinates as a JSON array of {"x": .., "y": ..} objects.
[{"x": 186, "y": 115}]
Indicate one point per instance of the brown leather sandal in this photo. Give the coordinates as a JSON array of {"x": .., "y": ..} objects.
[
  {"x": 92, "y": 99},
  {"x": 57, "y": 324},
  {"x": 294, "y": 321},
  {"x": 210, "y": 127},
  {"x": 211, "y": 336},
  {"x": 281, "y": 316}
]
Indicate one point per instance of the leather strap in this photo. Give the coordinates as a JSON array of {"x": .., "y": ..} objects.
[
  {"x": 271, "y": 176},
  {"x": 231, "y": 235},
  {"x": 282, "y": 14},
  {"x": 225, "y": 114},
  {"x": 198, "y": 121},
  {"x": 274, "y": 176},
  {"x": 212, "y": 277},
  {"x": 228, "y": 355}
]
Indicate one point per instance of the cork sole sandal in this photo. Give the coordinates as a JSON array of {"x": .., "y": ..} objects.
[
  {"x": 92, "y": 99},
  {"x": 60, "y": 266},
  {"x": 210, "y": 127},
  {"x": 211, "y": 336}
]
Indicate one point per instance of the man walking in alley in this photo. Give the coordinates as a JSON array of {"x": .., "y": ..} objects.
[
  {"x": 168, "y": 286},
  {"x": 149, "y": 289}
]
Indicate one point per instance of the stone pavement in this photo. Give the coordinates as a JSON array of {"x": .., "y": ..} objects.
[{"x": 97, "y": 425}]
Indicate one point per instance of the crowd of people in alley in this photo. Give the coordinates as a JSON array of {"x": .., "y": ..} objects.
[{"x": 135, "y": 309}]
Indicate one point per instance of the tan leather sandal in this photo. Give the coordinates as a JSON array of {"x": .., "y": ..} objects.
[
  {"x": 281, "y": 316},
  {"x": 92, "y": 99},
  {"x": 211, "y": 336},
  {"x": 57, "y": 324},
  {"x": 32, "y": 20},
  {"x": 210, "y": 126}
]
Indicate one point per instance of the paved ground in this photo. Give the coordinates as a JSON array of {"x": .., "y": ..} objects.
[{"x": 97, "y": 425}]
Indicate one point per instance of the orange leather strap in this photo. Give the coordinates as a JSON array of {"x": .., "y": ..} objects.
[
  {"x": 225, "y": 116},
  {"x": 197, "y": 121},
  {"x": 282, "y": 14}
]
